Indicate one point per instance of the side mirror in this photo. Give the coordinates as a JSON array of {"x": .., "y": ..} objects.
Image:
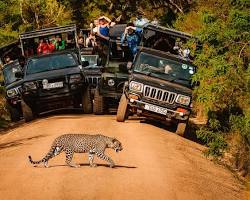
[
  {"x": 85, "y": 63},
  {"x": 19, "y": 74}
]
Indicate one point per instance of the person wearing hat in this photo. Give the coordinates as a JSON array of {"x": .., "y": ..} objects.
[
  {"x": 132, "y": 36},
  {"x": 103, "y": 29}
]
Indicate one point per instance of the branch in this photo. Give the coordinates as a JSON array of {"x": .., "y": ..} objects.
[
  {"x": 21, "y": 12},
  {"x": 243, "y": 49},
  {"x": 176, "y": 6}
]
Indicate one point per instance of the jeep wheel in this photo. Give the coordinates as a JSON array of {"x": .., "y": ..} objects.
[
  {"x": 27, "y": 112},
  {"x": 15, "y": 114},
  {"x": 98, "y": 106},
  {"x": 181, "y": 128},
  {"x": 122, "y": 112},
  {"x": 87, "y": 102}
]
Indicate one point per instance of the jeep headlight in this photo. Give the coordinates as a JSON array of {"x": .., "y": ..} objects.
[
  {"x": 75, "y": 78},
  {"x": 135, "y": 86},
  {"x": 111, "y": 82},
  {"x": 182, "y": 99},
  {"x": 30, "y": 86},
  {"x": 12, "y": 92}
]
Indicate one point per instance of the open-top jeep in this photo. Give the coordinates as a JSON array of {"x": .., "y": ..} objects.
[
  {"x": 115, "y": 73},
  {"x": 159, "y": 87},
  {"x": 53, "y": 80},
  {"x": 13, "y": 89}
]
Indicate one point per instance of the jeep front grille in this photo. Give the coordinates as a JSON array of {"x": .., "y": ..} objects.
[
  {"x": 93, "y": 79},
  {"x": 159, "y": 94}
]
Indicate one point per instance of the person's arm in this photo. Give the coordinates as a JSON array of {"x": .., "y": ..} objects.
[
  {"x": 138, "y": 30},
  {"x": 123, "y": 38},
  {"x": 106, "y": 18},
  {"x": 101, "y": 36},
  {"x": 39, "y": 49}
]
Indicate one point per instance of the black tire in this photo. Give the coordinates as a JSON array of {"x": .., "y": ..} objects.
[
  {"x": 87, "y": 102},
  {"x": 181, "y": 128},
  {"x": 15, "y": 114},
  {"x": 98, "y": 106},
  {"x": 122, "y": 112},
  {"x": 27, "y": 112}
]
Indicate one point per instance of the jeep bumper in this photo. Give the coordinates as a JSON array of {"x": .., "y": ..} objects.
[{"x": 155, "y": 111}]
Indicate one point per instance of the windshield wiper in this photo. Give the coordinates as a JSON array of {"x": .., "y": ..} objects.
[
  {"x": 144, "y": 72},
  {"x": 180, "y": 79}
]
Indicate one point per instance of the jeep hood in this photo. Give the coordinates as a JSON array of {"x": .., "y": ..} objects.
[{"x": 52, "y": 73}]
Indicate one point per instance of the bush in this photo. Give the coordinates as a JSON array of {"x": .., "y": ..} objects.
[{"x": 224, "y": 75}]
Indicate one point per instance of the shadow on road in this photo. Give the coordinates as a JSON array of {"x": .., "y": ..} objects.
[
  {"x": 107, "y": 165},
  {"x": 190, "y": 132},
  {"x": 18, "y": 142},
  {"x": 87, "y": 165}
]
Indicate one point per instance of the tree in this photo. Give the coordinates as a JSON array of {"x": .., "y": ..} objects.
[
  {"x": 224, "y": 74},
  {"x": 44, "y": 13}
]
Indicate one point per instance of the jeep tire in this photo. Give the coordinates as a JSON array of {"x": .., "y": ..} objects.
[
  {"x": 86, "y": 101},
  {"x": 122, "y": 112},
  {"x": 181, "y": 128},
  {"x": 27, "y": 112},
  {"x": 15, "y": 114},
  {"x": 98, "y": 106}
]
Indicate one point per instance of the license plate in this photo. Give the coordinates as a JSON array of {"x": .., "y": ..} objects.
[
  {"x": 156, "y": 109},
  {"x": 53, "y": 85}
]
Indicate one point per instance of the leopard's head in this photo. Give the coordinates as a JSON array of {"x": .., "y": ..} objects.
[{"x": 116, "y": 145}]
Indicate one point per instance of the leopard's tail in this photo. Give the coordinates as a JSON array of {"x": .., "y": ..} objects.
[{"x": 54, "y": 150}]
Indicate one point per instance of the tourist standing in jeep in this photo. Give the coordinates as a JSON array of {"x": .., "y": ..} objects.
[
  {"x": 115, "y": 73},
  {"x": 131, "y": 37}
]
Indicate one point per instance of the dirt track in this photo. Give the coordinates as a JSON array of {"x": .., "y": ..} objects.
[{"x": 155, "y": 164}]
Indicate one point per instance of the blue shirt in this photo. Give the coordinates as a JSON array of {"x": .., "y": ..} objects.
[
  {"x": 132, "y": 40},
  {"x": 104, "y": 31}
]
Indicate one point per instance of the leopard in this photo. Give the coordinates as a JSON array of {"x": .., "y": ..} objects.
[{"x": 81, "y": 143}]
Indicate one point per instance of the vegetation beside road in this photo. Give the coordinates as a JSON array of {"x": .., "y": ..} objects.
[{"x": 224, "y": 75}]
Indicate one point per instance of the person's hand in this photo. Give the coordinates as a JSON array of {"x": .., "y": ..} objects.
[
  {"x": 126, "y": 31},
  {"x": 131, "y": 27},
  {"x": 91, "y": 25}
]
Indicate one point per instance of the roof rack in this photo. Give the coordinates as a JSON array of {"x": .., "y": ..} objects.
[
  {"x": 168, "y": 31},
  {"x": 48, "y": 31}
]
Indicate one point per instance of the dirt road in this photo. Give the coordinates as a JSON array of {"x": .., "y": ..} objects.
[{"x": 155, "y": 164}]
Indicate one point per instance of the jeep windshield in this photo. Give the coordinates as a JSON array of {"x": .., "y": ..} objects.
[
  {"x": 9, "y": 72},
  {"x": 92, "y": 59},
  {"x": 164, "y": 68},
  {"x": 52, "y": 62}
]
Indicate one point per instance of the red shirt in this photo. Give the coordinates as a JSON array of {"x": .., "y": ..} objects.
[{"x": 45, "y": 48}]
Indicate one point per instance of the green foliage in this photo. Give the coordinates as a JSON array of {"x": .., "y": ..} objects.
[
  {"x": 3, "y": 110},
  {"x": 214, "y": 140},
  {"x": 224, "y": 74},
  {"x": 44, "y": 13},
  {"x": 23, "y": 15}
]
